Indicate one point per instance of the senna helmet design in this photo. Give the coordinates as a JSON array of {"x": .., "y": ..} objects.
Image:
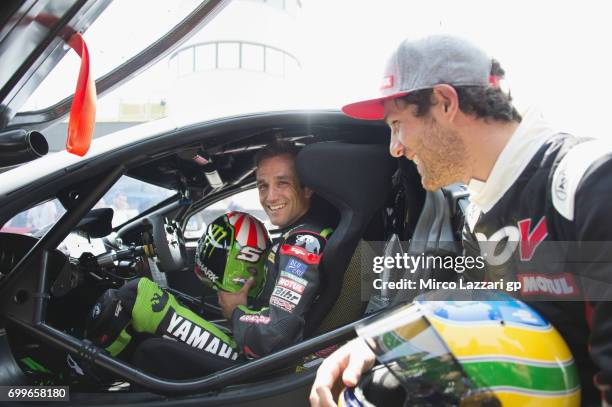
[
  {"x": 231, "y": 250},
  {"x": 491, "y": 350}
]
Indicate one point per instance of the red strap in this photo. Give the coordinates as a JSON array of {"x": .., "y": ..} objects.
[
  {"x": 494, "y": 81},
  {"x": 83, "y": 110}
]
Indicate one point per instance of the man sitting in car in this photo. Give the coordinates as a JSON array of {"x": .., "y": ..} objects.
[{"x": 273, "y": 321}]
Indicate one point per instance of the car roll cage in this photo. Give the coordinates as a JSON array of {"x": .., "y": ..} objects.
[
  {"x": 85, "y": 350},
  {"x": 24, "y": 293}
]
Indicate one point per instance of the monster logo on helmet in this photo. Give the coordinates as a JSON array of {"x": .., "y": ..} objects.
[{"x": 230, "y": 251}]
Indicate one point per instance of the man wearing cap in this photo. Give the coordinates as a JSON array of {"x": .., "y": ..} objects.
[{"x": 532, "y": 187}]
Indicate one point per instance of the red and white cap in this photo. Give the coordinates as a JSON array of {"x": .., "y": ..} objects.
[{"x": 422, "y": 64}]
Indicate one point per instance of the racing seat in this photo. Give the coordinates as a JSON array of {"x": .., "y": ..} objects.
[{"x": 356, "y": 180}]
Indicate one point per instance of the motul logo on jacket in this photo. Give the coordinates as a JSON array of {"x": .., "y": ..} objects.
[
  {"x": 290, "y": 284},
  {"x": 558, "y": 285},
  {"x": 526, "y": 236}
]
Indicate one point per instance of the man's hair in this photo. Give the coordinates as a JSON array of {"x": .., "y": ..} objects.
[
  {"x": 483, "y": 102},
  {"x": 276, "y": 148}
]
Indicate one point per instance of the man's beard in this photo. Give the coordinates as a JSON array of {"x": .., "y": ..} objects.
[{"x": 442, "y": 158}]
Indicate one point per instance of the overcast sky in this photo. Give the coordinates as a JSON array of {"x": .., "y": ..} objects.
[{"x": 556, "y": 53}]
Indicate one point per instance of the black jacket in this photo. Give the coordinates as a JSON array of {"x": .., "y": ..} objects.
[
  {"x": 551, "y": 230},
  {"x": 276, "y": 319}
]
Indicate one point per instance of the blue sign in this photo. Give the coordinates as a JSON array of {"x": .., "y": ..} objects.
[{"x": 296, "y": 267}]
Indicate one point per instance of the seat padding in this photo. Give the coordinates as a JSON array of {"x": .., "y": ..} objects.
[{"x": 356, "y": 179}]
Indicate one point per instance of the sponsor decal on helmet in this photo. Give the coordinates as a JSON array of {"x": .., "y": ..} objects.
[
  {"x": 118, "y": 309},
  {"x": 239, "y": 280},
  {"x": 215, "y": 238},
  {"x": 290, "y": 284},
  {"x": 287, "y": 294},
  {"x": 96, "y": 310},
  {"x": 232, "y": 250},
  {"x": 296, "y": 267},
  {"x": 207, "y": 273},
  {"x": 242, "y": 280},
  {"x": 559, "y": 285},
  {"x": 255, "y": 319},
  {"x": 294, "y": 278},
  {"x": 250, "y": 254},
  {"x": 282, "y": 304},
  {"x": 158, "y": 302}
]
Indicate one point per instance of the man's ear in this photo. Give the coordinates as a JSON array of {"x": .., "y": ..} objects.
[
  {"x": 308, "y": 192},
  {"x": 447, "y": 102}
]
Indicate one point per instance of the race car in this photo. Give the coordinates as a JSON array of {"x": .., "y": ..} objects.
[{"x": 134, "y": 203}]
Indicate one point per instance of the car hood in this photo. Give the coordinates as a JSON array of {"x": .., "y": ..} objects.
[{"x": 24, "y": 174}]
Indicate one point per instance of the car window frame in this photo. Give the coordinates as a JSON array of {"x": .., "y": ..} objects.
[{"x": 162, "y": 47}]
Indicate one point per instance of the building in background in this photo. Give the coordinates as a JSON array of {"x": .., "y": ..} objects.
[{"x": 245, "y": 60}]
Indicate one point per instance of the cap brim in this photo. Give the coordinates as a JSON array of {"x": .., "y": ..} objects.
[{"x": 372, "y": 109}]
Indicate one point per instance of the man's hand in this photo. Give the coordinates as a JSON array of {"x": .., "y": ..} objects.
[
  {"x": 350, "y": 361},
  {"x": 229, "y": 301}
]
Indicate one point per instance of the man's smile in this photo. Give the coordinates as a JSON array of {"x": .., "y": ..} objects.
[{"x": 276, "y": 207}]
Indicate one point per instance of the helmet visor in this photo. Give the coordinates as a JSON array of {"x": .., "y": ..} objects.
[{"x": 413, "y": 351}]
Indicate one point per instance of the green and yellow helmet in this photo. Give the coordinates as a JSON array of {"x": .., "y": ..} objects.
[
  {"x": 232, "y": 250},
  {"x": 491, "y": 350}
]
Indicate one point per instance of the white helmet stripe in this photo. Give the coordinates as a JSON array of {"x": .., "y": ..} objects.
[
  {"x": 261, "y": 241},
  {"x": 243, "y": 234}
]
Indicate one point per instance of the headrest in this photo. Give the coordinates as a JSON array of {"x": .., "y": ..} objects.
[
  {"x": 356, "y": 179},
  {"x": 349, "y": 176}
]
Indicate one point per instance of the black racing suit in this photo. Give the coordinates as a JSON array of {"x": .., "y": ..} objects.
[
  {"x": 275, "y": 319},
  {"x": 548, "y": 225}
]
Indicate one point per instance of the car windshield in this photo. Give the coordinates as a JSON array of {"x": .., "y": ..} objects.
[
  {"x": 35, "y": 219},
  {"x": 105, "y": 51},
  {"x": 130, "y": 197},
  {"x": 259, "y": 55}
]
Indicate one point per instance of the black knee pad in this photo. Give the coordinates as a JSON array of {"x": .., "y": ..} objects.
[{"x": 110, "y": 315}]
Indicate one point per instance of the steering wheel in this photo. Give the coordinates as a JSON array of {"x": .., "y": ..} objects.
[{"x": 169, "y": 244}]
